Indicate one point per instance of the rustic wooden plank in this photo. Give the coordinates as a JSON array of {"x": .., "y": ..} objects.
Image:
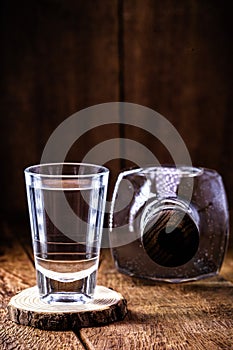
[
  {"x": 227, "y": 268},
  {"x": 173, "y": 68},
  {"x": 14, "y": 336},
  {"x": 17, "y": 273},
  {"x": 195, "y": 315},
  {"x": 57, "y": 58},
  {"x": 162, "y": 316}
]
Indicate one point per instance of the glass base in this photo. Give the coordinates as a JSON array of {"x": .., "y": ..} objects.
[
  {"x": 64, "y": 298},
  {"x": 56, "y": 292}
]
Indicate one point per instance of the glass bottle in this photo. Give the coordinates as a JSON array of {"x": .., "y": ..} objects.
[{"x": 169, "y": 223}]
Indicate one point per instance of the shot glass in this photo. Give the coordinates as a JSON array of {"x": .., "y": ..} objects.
[
  {"x": 66, "y": 204},
  {"x": 169, "y": 223}
]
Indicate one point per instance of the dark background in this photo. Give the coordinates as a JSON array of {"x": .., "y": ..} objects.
[{"x": 58, "y": 57}]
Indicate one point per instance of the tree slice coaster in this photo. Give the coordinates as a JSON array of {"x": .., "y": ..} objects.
[{"x": 26, "y": 308}]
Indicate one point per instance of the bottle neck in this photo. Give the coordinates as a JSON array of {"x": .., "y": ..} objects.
[{"x": 170, "y": 232}]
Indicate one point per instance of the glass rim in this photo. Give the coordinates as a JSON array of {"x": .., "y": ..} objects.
[{"x": 29, "y": 170}]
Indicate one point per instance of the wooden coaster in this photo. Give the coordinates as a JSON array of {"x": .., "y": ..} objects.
[{"x": 28, "y": 309}]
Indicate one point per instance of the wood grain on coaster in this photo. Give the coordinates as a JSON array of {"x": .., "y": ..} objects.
[{"x": 26, "y": 308}]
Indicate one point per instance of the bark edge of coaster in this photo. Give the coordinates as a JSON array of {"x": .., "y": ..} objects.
[{"x": 27, "y": 309}]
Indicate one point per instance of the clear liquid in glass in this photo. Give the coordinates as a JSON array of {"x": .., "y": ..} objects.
[{"x": 66, "y": 264}]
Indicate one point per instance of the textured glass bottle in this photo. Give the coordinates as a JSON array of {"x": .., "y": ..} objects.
[{"x": 169, "y": 224}]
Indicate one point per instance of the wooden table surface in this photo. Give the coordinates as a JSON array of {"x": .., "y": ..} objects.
[{"x": 197, "y": 315}]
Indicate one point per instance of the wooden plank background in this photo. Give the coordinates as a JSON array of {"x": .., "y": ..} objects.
[{"x": 58, "y": 57}]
